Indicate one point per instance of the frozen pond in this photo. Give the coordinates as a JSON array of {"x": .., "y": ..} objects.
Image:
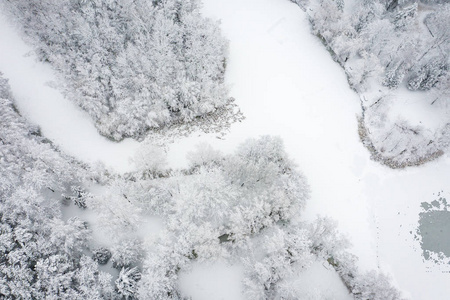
[{"x": 434, "y": 231}]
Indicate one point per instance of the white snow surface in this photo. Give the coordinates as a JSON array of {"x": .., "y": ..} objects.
[
  {"x": 60, "y": 120},
  {"x": 216, "y": 281},
  {"x": 319, "y": 282},
  {"x": 223, "y": 281},
  {"x": 286, "y": 84},
  {"x": 416, "y": 108}
]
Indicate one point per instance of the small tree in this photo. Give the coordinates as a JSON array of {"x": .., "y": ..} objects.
[{"x": 127, "y": 283}]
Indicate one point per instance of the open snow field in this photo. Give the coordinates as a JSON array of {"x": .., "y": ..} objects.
[{"x": 286, "y": 84}]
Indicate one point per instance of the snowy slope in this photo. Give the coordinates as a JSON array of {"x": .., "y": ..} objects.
[{"x": 69, "y": 127}]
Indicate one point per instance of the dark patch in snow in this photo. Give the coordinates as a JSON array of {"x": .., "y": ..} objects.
[{"x": 433, "y": 231}]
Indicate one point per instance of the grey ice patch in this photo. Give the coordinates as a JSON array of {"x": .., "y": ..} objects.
[
  {"x": 433, "y": 231},
  {"x": 434, "y": 228},
  {"x": 426, "y": 206}
]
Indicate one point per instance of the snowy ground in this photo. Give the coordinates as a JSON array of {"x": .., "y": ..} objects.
[
  {"x": 220, "y": 281},
  {"x": 416, "y": 108},
  {"x": 215, "y": 281},
  {"x": 286, "y": 84}
]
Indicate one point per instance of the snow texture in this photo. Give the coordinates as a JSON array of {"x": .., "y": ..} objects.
[{"x": 217, "y": 281}]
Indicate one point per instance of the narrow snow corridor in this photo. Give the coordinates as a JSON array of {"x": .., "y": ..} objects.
[{"x": 60, "y": 120}]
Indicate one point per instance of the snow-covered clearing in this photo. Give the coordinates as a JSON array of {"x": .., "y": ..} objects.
[
  {"x": 416, "y": 108},
  {"x": 212, "y": 282},
  {"x": 319, "y": 282},
  {"x": 60, "y": 120},
  {"x": 223, "y": 281},
  {"x": 286, "y": 84}
]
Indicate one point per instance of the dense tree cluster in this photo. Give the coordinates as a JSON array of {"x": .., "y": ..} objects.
[
  {"x": 392, "y": 36},
  {"x": 133, "y": 65},
  {"x": 217, "y": 202},
  {"x": 245, "y": 207}
]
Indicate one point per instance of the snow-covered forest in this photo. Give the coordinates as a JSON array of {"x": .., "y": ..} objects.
[
  {"x": 392, "y": 50},
  {"x": 134, "y": 66},
  {"x": 286, "y": 192}
]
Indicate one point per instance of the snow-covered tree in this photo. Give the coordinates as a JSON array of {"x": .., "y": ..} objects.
[
  {"x": 126, "y": 253},
  {"x": 376, "y": 286},
  {"x": 150, "y": 160},
  {"x": 126, "y": 284}
]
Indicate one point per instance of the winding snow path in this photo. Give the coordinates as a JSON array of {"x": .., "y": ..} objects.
[
  {"x": 286, "y": 84},
  {"x": 60, "y": 120}
]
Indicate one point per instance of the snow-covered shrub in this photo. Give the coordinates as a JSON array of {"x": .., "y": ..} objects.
[
  {"x": 150, "y": 160},
  {"x": 277, "y": 254},
  {"x": 204, "y": 154},
  {"x": 101, "y": 255},
  {"x": 126, "y": 253},
  {"x": 325, "y": 239},
  {"x": 78, "y": 197},
  {"x": 429, "y": 75},
  {"x": 405, "y": 17},
  {"x": 116, "y": 214},
  {"x": 93, "y": 284},
  {"x": 394, "y": 75}
]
